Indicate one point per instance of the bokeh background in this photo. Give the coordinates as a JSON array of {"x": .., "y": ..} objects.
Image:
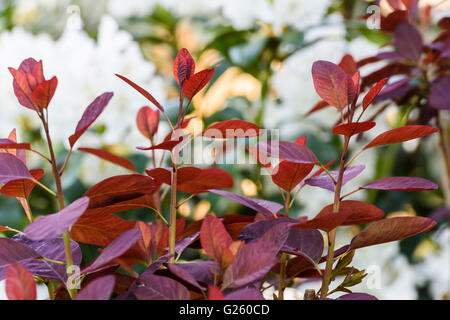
[{"x": 263, "y": 51}]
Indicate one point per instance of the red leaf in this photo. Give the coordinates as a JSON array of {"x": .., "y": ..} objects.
[
  {"x": 214, "y": 237},
  {"x": 183, "y": 66},
  {"x": 318, "y": 106},
  {"x": 43, "y": 93},
  {"x": 232, "y": 129},
  {"x": 209, "y": 178},
  {"x": 400, "y": 135},
  {"x": 184, "y": 174},
  {"x": 19, "y": 283},
  {"x": 360, "y": 212},
  {"x": 352, "y": 128},
  {"x": 22, "y": 88},
  {"x": 118, "y": 189},
  {"x": 373, "y": 92},
  {"x": 99, "y": 230},
  {"x": 108, "y": 156},
  {"x": 196, "y": 83},
  {"x": 166, "y": 145},
  {"x": 8, "y": 144},
  {"x": 331, "y": 83},
  {"x": 214, "y": 293},
  {"x": 90, "y": 115},
  {"x": 147, "y": 121},
  {"x": 289, "y": 174},
  {"x": 142, "y": 91},
  {"x": 348, "y": 64},
  {"x": 22, "y": 188},
  {"x": 392, "y": 229},
  {"x": 327, "y": 221}
]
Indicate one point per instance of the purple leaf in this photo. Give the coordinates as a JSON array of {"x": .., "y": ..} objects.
[
  {"x": 179, "y": 272},
  {"x": 54, "y": 225},
  {"x": 408, "y": 41},
  {"x": 268, "y": 208},
  {"x": 12, "y": 168},
  {"x": 50, "y": 249},
  {"x": 245, "y": 294},
  {"x": 324, "y": 181},
  {"x": 287, "y": 150},
  {"x": 262, "y": 255},
  {"x": 115, "y": 249},
  {"x": 389, "y": 55},
  {"x": 98, "y": 289},
  {"x": 394, "y": 90},
  {"x": 440, "y": 214},
  {"x": 357, "y": 296},
  {"x": 305, "y": 242},
  {"x": 90, "y": 115},
  {"x": 277, "y": 235},
  {"x": 152, "y": 287},
  {"x": 185, "y": 242},
  {"x": 255, "y": 230},
  {"x": 202, "y": 271},
  {"x": 439, "y": 93},
  {"x": 13, "y": 251},
  {"x": 401, "y": 184}
]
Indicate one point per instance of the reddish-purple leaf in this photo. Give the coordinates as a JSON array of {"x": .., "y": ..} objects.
[
  {"x": 142, "y": 91},
  {"x": 353, "y": 87},
  {"x": 289, "y": 174},
  {"x": 110, "y": 157},
  {"x": 164, "y": 175},
  {"x": 251, "y": 263},
  {"x": 209, "y": 178},
  {"x": 408, "y": 41},
  {"x": 115, "y": 249},
  {"x": 183, "y": 66},
  {"x": 357, "y": 296},
  {"x": 166, "y": 145},
  {"x": 153, "y": 287},
  {"x": 19, "y": 284},
  {"x": 12, "y": 168},
  {"x": 43, "y": 93},
  {"x": 22, "y": 188},
  {"x": 331, "y": 83},
  {"x": 392, "y": 229},
  {"x": 53, "y": 225},
  {"x": 90, "y": 115},
  {"x": 196, "y": 83},
  {"x": 214, "y": 238},
  {"x": 181, "y": 273},
  {"x": 324, "y": 181},
  {"x": 147, "y": 121},
  {"x": 268, "y": 208},
  {"x": 439, "y": 93},
  {"x": 373, "y": 92},
  {"x": 287, "y": 150},
  {"x": 50, "y": 249},
  {"x": 245, "y": 294},
  {"x": 401, "y": 134},
  {"x": 360, "y": 212},
  {"x": 352, "y": 128},
  {"x": 98, "y": 289},
  {"x": 13, "y": 251},
  {"x": 401, "y": 184},
  {"x": 232, "y": 129}
]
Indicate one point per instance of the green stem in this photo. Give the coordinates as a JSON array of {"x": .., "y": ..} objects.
[
  {"x": 332, "y": 234},
  {"x": 173, "y": 208}
]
